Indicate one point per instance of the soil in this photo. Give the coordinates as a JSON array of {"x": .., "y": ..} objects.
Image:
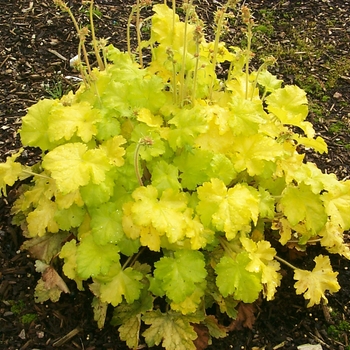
[{"x": 311, "y": 39}]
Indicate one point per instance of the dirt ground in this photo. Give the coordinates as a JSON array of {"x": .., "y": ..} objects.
[{"x": 311, "y": 41}]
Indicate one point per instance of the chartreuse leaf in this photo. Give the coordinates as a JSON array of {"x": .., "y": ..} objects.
[
  {"x": 318, "y": 144},
  {"x": 70, "y": 217},
  {"x": 269, "y": 81},
  {"x": 164, "y": 214},
  {"x": 219, "y": 116},
  {"x": 164, "y": 176},
  {"x": 246, "y": 116},
  {"x": 106, "y": 223},
  {"x": 309, "y": 174},
  {"x": 129, "y": 331},
  {"x": 94, "y": 259},
  {"x": 113, "y": 150},
  {"x": 216, "y": 330},
  {"x": 145, "y": 115},
  {"x": 336, "y": 202},
  {"x": 73, "y": 165},
  {"x": 163, "y": 16},
  {"x": 180, "y": 275},
  {"x": 271, "y": 278},
  {"x": 125, "y": 311},
  {"x": 222, "y": 168},
  {"x": 194, "y": 167},
  {"x": 44, "y": 189},
  {"x": 77, "y": 119},
  {"x": 151, "y": 143},
  {"x": 198, "y": 235},
  {"x": 128, "y": 316},
  {"x": 252, "y": 153},
  {"x": 65, "y": 201},
  {"x": 333, "y": 239},
  {"x": 313, "y": 284},
  {"x": 260, "y": 253},
  {"x": 42, "y": 219},
  {"x": 300, "y": 204},
  {"x": 94, "y": 195},
  {"x": 108, "y": 125},
  {"x": 191, "y": 303},
  {"x": 289, "y": 105},
  {"x": 230, "y": 210},
  {"x": 266, "y": 204},
  {"x": 9, "y": 172},
  {"x": 36, "y": 123},
  {"x": 173, "y": 329},
  {"x": 119, "y": 283},
  {"x": 69, "y": 254},
  {"x": 233, "y": 278},
  {"x": 189, "y": 123},
  {"x": 100, "y": 311},
  {"x": 214, "y": 140}
]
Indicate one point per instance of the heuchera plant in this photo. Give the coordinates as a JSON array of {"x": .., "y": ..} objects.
[{"x": 167, "y": 191}]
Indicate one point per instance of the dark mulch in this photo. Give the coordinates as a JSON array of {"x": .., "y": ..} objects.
[{"x": 37, "y": 42}]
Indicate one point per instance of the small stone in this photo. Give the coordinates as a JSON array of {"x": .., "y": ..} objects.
[
  {"x": 337, "y": 95},
  {"x": 22, "y": 334}
]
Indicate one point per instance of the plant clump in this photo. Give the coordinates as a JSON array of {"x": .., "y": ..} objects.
[{"x": 167, "y": 191}]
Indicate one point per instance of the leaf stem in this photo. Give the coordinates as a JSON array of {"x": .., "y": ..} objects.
[
  {"x": 93, "y": 37},
  {"x": 285, "y": 262},
  {"x": 138, "y": 32},
  {"x": 198, "y": 35},
  {"x": 28, "y": 172},
  {"x": 227, "y": 248},
  {"x": 133, "y": 258},
  {"x": 128, "y": 39},
  {"x": 248, "y": 20},
  {"x": 137, "y": 163},
  {"x": 184, "y": 55},
  {"x": 220, "y": 21}
]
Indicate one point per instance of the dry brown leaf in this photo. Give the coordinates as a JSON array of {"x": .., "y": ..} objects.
[
  {"x": 202, "y": 341},
  {"x": 52, "y": 279},
  {"x": 245, "y": 317}
]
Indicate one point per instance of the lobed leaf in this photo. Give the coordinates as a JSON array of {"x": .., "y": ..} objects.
[{"x": 313, "y": 284}]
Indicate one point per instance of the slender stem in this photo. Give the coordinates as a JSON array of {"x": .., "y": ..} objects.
[
  {"x": 248, "y": 20},
  {"x": 174, "y": 14},
  {"x": 93, "y": 37},
  {"x": 227, "y": 248},
  {"x": 195, "y": 74},
  {"x": 128, "y": 39},
  {"x": 73, "y": 19},
  {"x": 81, "y": 46},
  {"x": 86, "y": 58},
  {"x": 316, "y": 240},
  {"x": 133, "y": 258},
  {"x": 184, "y": 55},
  {"x": 136, "y": 163},
  {"x": 269, "y": 61},
  {"x": 35, "y": 174},
  {"x": 285, "y": 262},
  {"x": 247, "y": 61},
  {"x": 174, "y": 83},
  {"x": 138, "y": 32},
  {"x": 220, "y": 21}
]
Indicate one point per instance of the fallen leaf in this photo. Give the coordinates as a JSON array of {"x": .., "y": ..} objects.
[
  {"x": 202, "y": 341},
  {"x": 245, "y": 317},
  {"x": 52, "y": 279}
]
